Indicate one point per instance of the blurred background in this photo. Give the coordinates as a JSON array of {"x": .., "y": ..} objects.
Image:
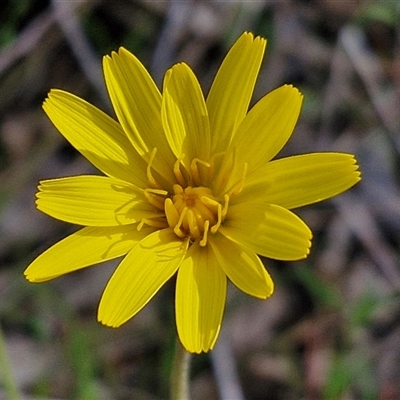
[{"x": 332, "y": 328}]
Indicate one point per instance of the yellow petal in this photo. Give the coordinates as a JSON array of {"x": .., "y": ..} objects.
[
  {"x": 146, "y": 268},
  {"x": 268, "y": 230},
  {"x": 84, "y": 248},
  {"x": 137, "y": 103},
  {"x": 243, "y": 267},
  {"x": 184, "y": 114},
  {"x": 232, "y": 89},
  {"x": 200, "y": 299},
  {"x": 98, "y": 137},
  {"x": 93, "y": 201},
  {"x": 268, "y": 126},
  {"x": 301, "y": 180},
  {"x": 262, "y": 134}
]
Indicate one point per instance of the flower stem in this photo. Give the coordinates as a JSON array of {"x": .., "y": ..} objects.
[
  {"x": 10, "y": 387},
  {"x": 180, "y": 374}
]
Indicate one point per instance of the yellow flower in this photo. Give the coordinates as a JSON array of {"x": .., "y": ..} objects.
[{"x": 189, "y": 188}]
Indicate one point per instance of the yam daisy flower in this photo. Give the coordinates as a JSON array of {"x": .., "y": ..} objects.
[{"x": 188, "y": 188}]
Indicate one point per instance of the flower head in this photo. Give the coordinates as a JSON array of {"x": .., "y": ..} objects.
[{"x": 188, "y": 188}]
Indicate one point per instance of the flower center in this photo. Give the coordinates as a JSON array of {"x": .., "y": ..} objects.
[{"x": 194, "y": 212}]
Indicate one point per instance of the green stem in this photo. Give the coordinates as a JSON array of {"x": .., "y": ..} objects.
[
  {"x": 180, "y": 374},
  {"x": 10, "y": 387}
]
